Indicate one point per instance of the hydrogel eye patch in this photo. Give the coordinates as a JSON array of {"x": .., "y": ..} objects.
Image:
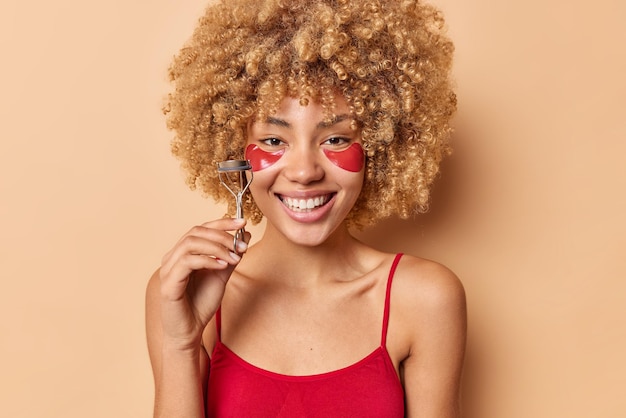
[
  {"x": 260, "y": 159},
  {"x": 350, "y": 159}
]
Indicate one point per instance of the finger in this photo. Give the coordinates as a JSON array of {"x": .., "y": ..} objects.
[
  {"x": 192, "y": 262},
  {"x": 241, "y": 245},
  {"x": 226, "y": 224},
  {"x": 174, "y": 279},
  {"x": 207, "y": 241},
  {"x": 230, "y": 224},
  {"x": 221, "y": 249},
  {"x": 214, "y": 255},
  {"x": 202, "y": 236}
]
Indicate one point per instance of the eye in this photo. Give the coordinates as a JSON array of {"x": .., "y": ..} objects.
[
  {"x": 272, "y": 142},
  {"x": 337, "y": 142}
]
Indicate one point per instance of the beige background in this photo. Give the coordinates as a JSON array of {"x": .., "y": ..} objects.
[{"x": 529, "y": 211}]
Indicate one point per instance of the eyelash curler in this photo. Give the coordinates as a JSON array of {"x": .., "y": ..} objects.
[{"x": 232, "y": 175}]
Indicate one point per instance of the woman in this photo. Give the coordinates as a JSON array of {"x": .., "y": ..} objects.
[{"x": 342, "y": 109}]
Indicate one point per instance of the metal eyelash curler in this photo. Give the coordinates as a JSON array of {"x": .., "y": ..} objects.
[{"x": 232, "y": 175}]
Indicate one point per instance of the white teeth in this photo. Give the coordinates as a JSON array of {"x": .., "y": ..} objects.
[{"x": 304, "y": 204}]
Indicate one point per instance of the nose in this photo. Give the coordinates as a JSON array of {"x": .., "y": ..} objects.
[{"x": 302, "y": 165}]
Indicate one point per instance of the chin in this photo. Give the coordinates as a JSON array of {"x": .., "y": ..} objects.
[{"x": 311, "y": 235}]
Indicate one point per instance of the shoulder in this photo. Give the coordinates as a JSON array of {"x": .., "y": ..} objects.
[
  {"x": 427, "y": 334},
  {"x": 431, "y": 283},
  {"x": 426, "y": 297}
]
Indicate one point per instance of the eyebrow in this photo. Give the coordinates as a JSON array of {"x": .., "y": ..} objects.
[{"x": 281, "y": 122}]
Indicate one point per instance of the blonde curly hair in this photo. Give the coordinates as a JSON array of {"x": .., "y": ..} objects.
[{"x": 390, "y": 59}]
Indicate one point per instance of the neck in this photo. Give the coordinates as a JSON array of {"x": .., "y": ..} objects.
[{"x": 305, "y": 265}]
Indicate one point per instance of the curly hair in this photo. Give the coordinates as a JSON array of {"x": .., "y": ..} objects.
[{"x": 390, "y": 59}]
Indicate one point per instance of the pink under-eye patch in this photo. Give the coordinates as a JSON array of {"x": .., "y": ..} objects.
[
  {"x": 260, "y": 159},
  {"x": 350, "y": 159}
]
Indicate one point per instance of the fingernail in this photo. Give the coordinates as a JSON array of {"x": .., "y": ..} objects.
[
  {"x": 234, "y": 256},
  {"x": 241, "y": 246},
  {"x": 220, "y": 261},
  {"x": 239, "y": 221}
]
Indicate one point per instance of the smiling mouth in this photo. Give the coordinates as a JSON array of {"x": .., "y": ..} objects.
[{"x": 305, "y": 205}]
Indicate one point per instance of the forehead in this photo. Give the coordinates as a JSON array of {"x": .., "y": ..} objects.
[{"x": 292, "y": 108}]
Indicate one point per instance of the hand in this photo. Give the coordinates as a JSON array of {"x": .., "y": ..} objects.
[{"x": 193, "y": 277}]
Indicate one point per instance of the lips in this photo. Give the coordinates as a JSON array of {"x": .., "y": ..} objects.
[{"x": 298, "y": 204}]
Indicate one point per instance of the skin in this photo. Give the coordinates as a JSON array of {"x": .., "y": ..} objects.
[{"x": 275, "y": 313}]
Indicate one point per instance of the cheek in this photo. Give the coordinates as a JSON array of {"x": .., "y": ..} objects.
[
  {"x": 351, "y": 159},
  {"x": 260, "y": 159}
]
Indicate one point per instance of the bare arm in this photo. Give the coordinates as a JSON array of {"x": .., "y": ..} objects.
[
  {"x": 436, "y": 321},
  {"x": 181, "y": 298},
  {"x": 180, "y": 378}
]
